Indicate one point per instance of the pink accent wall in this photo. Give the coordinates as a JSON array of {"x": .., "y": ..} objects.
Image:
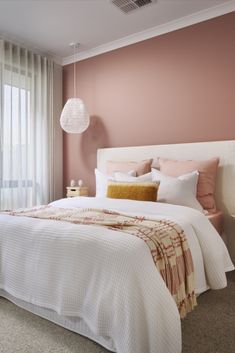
[{"x": 177, "y": 87}]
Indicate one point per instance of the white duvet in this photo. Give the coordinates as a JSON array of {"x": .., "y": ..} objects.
[{"x": 106, "y": 278}]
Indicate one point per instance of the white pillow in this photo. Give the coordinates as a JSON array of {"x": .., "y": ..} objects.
[
  {"x": 119, "y": 176},
  {"x": 102, "y": 180},
  {"x": 178, "y": 191}
]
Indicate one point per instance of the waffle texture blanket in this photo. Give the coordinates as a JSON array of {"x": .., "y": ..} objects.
[
  {"x": 165, "y": 239},
  {"x": 107, "y": 278}
]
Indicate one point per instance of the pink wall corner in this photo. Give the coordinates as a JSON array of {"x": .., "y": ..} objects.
[{"x": 177, "y": 87}]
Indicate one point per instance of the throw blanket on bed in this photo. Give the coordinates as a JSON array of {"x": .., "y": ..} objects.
[{"x": 166, "y": 241}]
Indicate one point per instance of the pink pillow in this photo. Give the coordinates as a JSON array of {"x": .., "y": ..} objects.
[
  {"x": 140, "y": 168},
  {"x": 207, "y": 176}
]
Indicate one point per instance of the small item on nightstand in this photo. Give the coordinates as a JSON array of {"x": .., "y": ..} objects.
[
  {"x": 77, "y": 191},
  {"x": 80, "y": 183},
  {"x": 72, "y": 183}
]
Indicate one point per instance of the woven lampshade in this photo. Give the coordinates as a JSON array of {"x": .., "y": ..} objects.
[{"x": 74, "y": 117}]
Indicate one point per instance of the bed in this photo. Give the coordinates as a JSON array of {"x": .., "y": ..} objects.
[{"x": 102, "y": 283}]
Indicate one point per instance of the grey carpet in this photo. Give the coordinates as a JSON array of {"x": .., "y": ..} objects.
[{"x": 210, "y": 328}]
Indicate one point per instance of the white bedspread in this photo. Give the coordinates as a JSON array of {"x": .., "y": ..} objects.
[{"x": 104, "y": 277}]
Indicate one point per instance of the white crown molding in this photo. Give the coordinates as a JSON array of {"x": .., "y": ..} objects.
[{"x": 155, "y": 31}]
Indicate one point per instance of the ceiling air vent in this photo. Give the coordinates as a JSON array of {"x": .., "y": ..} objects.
[{"x": 127, "y": 6}]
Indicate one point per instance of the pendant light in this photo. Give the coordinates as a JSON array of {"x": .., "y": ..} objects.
[{"x": 74, "y": 117}]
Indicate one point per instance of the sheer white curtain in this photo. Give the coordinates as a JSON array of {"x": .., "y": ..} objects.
[{"x": 26, "y": 127}]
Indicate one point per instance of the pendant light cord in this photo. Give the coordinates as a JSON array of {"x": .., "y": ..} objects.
[{"x": 74, "y": 46}]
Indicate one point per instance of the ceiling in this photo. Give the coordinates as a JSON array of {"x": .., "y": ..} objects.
[{"x": 48, "y": 26}]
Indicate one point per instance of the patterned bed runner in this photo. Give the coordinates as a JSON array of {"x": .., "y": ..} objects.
[{"x": 166, "y": 241}]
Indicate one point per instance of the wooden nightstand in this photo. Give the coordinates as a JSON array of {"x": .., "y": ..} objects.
[{"x": 73, "y": 191}]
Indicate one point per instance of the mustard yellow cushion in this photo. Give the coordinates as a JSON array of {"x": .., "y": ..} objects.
[{"x": 134, "y": 191}]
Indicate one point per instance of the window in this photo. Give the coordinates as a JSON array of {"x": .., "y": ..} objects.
[
  {"x": 25, "y": 127},
  {"x": 15, "y": 152}
]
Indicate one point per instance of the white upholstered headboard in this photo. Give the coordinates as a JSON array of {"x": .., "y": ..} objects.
[{"x": 225, "y": 186}]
